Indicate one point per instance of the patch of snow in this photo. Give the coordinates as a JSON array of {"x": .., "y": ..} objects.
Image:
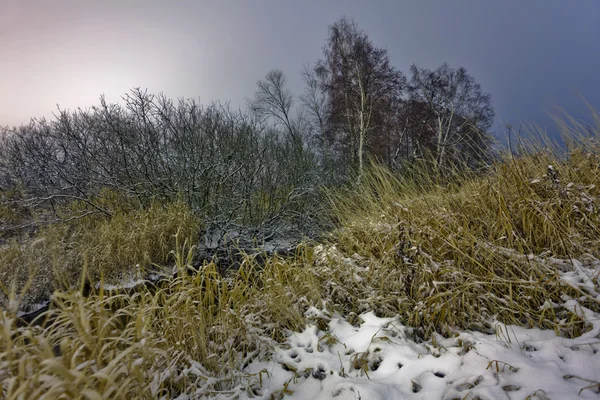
[
  {"x": 324, "y": 255},
  {"x": 125, "y": 284},
  {"x": 32, "y": 309},
  {"x": 156, "y": 276},
  {"x": 278, "y": 244},
  {"x": 381, "y": 360}
]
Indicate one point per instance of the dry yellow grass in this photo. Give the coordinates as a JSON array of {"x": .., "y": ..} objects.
[
  {"x": 114, "y": 248},
  {"x": 462, "y": 253},
  {"x": 191, "y": 334},
  {"x": 442, "y": 254}
]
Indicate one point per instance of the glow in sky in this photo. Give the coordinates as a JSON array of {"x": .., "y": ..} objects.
[{"x": 529, "y": 55}]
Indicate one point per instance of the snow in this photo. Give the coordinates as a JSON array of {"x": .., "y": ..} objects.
[
  {"x": 30, "y": 309},
  {"x": 513, "y": 364},
  {"x": 124, "y": 284},
  {"x": 380, "y": 358},
  {"x": 132, "y": 281}
]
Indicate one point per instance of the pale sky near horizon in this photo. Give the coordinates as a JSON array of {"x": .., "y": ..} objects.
[{"x": 530, "y": 55}]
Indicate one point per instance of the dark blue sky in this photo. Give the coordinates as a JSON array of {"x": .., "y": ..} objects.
[{"x": 530, "y": 55}]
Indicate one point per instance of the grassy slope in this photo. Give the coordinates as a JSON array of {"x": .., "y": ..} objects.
[{"x": 449, "y": 256}]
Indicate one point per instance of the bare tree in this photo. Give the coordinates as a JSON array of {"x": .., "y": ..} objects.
[
  {"x": 224, "y": 163},
  {"x": 360, "y": 83},
  {"x": 273, "y": 99},
  {"x": 459, "y": 112},
  {"x": 315, "y": 103}
]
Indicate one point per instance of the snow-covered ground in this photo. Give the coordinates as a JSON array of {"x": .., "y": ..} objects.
[
  {"x": 381, "y": 358},
  {"x": 516, "y": 363}
]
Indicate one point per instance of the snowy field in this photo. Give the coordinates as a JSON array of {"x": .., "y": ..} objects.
[{"x": 380, "y": 360}]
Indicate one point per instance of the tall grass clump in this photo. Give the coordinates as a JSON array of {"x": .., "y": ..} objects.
[
  {"x": 122, "y": 246},
  {"x": 193, "y": 334},
  {"x": 463, "y": 252}
]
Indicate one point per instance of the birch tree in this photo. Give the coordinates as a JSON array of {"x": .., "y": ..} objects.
[
  {"x": 359, "y": 81},
  {"x": 460, "y": 113}
]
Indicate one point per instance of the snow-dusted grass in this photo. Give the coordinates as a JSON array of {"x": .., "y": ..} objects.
[
  {"x": 269, "y": 334},
  {"x": 459, "y": 253},
  {"x": 481, "y": 287},
  {"x": 195, "y": 333},
  {"x": 381, "y": 359},
  {"x": 108, "y": 248}
]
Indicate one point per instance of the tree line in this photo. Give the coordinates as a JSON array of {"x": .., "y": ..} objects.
[
  {"x": 260, "y": 166},
  {"x": 356, "y": 104}
]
